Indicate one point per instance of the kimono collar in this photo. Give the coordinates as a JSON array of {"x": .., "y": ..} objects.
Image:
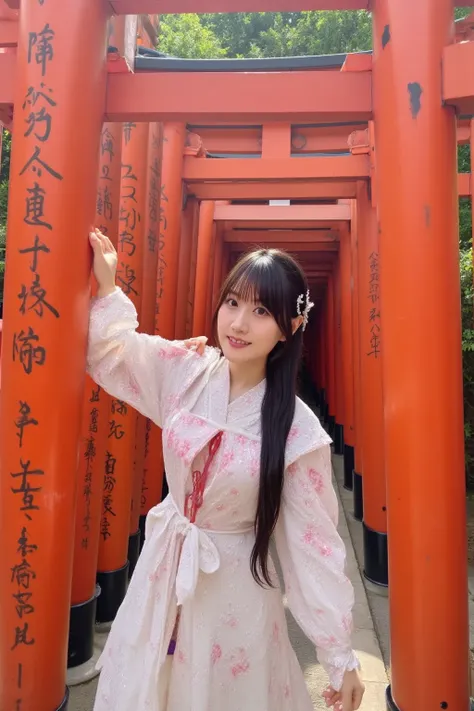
[{"x": 243, "y": 412}]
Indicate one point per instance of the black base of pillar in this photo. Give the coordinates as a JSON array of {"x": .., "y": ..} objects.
[
  {"x": 391, "y": 706},
  {"x": 358, "y": 496},
  {"x": 331, "y": 426},
  {"x": 375, "y": 556},
  {"x": 64, "y": 702},
  {"x": 141, "y": 524},
  {"x": 348, "y": 466},
  {"x": 339, "y": 439},
  {"x": 113, "y": 587},
  {"x": 81, "y": 631},
  {"x": 133, "y": 551}
]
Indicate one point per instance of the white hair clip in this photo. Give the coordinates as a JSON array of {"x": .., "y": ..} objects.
[{"x": 305, "y": 312}]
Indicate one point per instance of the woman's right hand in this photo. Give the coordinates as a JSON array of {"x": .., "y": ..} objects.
[{"x": 105, "y": 262}]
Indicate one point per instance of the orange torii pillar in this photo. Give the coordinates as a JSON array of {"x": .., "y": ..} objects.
[
  {"x": 356, "y": 306},
  {"x": 214, "y": 278},
  {"x": 112, "y": 568},
  {"x": 330, "y": 339},
  {"x": 152, "y": 457},
  {"x": 147, "y": 325},
  {"x": 372, "y": 415},
  {"x": 218, "y": 260},
  {"x": 92, "y": 444},
  {"x": 415, "y": 142},
  {"x": 347, "y": 357},
  {"x": 203, "y": 266},
  {"x": 339, "y": 428},
  {"x": 51, "y": 211},
  {"x": 184, "y": 271},
  {"x": 192, "y": 272},
  {"x": 323, "y": 363},
  {"x": 174, "y": 137}
]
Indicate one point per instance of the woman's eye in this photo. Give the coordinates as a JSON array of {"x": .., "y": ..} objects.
[
  {"x": 261, "y": 311},
  {"x": 231, "y": 302}
]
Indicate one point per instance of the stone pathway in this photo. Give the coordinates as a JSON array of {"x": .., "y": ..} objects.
[{"x": 366, "y": 642}]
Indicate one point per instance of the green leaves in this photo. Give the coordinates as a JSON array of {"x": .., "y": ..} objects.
[{"x": 185, "y": 36}]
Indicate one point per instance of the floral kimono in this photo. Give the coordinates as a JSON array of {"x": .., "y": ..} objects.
[{"x": 232, "y": 648}]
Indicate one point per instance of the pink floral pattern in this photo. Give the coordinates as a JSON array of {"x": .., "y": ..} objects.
[
  {"x": 232, "y": 634},
  {"x": 239, "y": 663},
  {"x": 216, "y": 653}
]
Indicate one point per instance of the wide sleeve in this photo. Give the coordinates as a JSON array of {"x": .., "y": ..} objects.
[
  {"x": 312, "y": 557},
  {"x": 147, "y": 372}
]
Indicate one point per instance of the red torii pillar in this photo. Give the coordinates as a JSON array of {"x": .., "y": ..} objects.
[
  {"x": 415, "y": 142},
  {"x": 357, "y": 482},
  {"x": 53, "y": 172},
  {"x": 371, "y": 357},
  {"x": 330, "y": 339},
  {"x": 95, "y": 419},
  {"x": 147, "y": 325},
  {"x": 113, "y": 563},
  {"x": 203, "y": 267},
  {"x": 340, "y": 414},
  {"x": 347, "y": 356}
]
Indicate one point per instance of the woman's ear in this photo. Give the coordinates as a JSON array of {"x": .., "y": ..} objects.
[{"x": 296, "y": 323}]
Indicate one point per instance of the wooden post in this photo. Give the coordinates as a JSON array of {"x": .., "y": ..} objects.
[
  {"x": 152, "y": 477},
  {"x": 113, "y": 563},
  {"x": 330, "y": 356},
  {"x": 203, "y": 266},
  {"x": 93, "y": 440},
  {"x": 174, "y": 135},
  {"x": 170, "y": 228},
  {"x": 185, "y": 254},
  {"x": 339, "y": 382},
  {"x": 415, "y": 140},
  {"x": 54, "y": 165},
  {"x": 147, "y": 323},
  {"x": 347, "y": 357},
  {"x": 358, "y": 453},
  {"x": 371, "y": 349},
  {"x": 192, "y": 271}
]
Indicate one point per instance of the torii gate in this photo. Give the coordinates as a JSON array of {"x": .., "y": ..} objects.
[{"x": 58, "y": 82}]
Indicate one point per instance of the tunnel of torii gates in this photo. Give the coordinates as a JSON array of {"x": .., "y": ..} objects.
[{"x": 349, "y": 162}]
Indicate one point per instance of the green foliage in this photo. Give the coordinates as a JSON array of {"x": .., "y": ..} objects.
[
  {"x": 460, "y": 12},
  {"x": 185, "y": 36},
  {"x": 467, "y": 293},
  {"x": 265, "y": 34}
]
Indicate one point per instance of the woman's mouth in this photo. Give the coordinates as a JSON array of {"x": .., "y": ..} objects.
[{"x": 237, "y": 342}]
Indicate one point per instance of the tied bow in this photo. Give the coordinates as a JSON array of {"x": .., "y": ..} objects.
[{"x": 198, "y": 553}]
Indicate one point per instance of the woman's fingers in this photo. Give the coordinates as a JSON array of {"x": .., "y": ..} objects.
[
  {"x": 358, "y": 696},
  {"x": 197, "y": 344},
  {"x": 95, "y": 241},
  {"x": 331, "y": 696}
]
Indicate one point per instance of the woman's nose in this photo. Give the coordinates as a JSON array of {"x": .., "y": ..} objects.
[{"x": 240, "y": 323}]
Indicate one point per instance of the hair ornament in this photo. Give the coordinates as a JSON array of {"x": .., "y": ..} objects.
[{"x": 307, "y": 307}]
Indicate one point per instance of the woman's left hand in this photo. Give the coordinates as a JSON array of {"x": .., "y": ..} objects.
[
  {"x": 349, "y": 698},
  {"x": 197, "y": 344}
]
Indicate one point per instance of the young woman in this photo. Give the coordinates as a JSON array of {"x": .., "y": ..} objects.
[{"x": 203, "y": 625}]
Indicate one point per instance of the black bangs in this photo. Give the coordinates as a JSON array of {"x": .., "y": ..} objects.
[{"x": 261, "y": 278}]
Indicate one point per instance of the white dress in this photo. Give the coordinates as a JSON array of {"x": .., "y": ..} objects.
[{"x": 233, "y": 652}]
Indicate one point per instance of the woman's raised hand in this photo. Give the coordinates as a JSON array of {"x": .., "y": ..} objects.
[
  {"x": 197, "y": 344},
  {"x": 105, "y": 262}
]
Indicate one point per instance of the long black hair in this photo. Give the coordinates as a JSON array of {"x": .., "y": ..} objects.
[{"x": 274, "y": 279}]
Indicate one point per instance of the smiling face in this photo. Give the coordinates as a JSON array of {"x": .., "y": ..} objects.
[
  {"x": 257, "y": 309},
  {"x": 246, "y": 330}
]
